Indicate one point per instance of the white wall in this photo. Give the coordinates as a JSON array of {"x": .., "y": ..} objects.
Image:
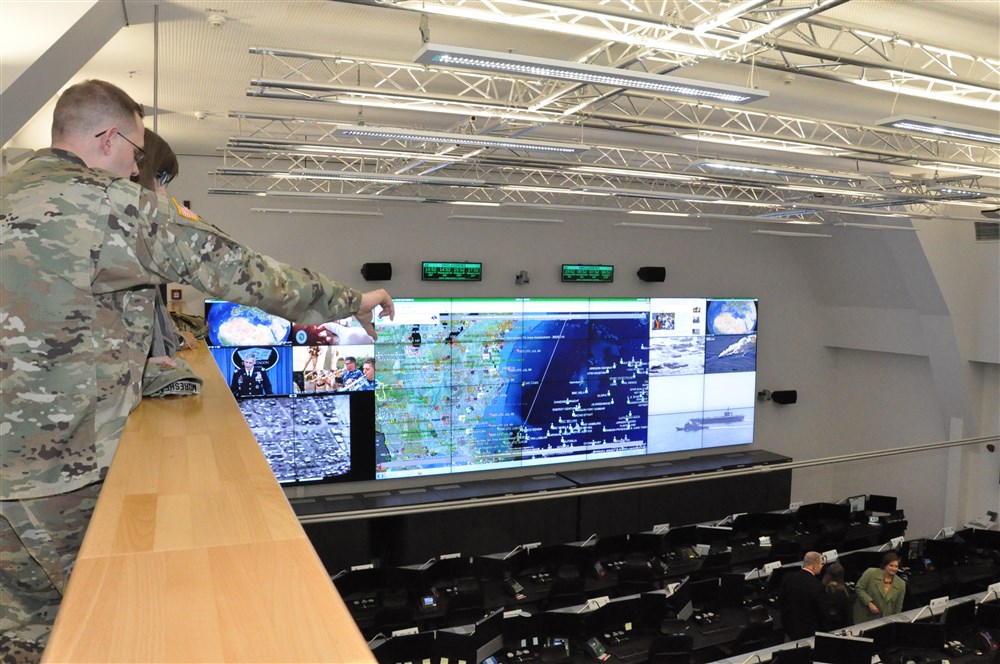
[{"x": 856, "y": 323}]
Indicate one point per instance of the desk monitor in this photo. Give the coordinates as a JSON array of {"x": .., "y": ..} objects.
[
  {"x": 988, "y": 615},
  {"x": 984, "y": 539},
  {"x": 856, "y": 562},
  {"x": 649, "y": 543},
  {"x": 621, "y": 613},
  {"x": 526, "y": 631},
  {"x": 945, "y": 552},
  {"x": 704, "y": 593},
  {"x": 500, "y": 565},
  {"x": 677, "y": 605},
  {"x": 801, "y": 655},
  {"x": 455, "y": 644},
  {"x": 959, "y": 618},
  {"x": 821, "y": 511},
  {"x": 777, "y": 577},
  {"x": 412, "y": 647},
  {"x": 908, "y": 635},
  {"x": 833, "y": 649},
  {"x": 360, "y": 582},
  {"x": 683, "y": 536},
  {"x": 732, "y": 589},
  {"x": 912, "y": 550},
  {"x": 488, "y": 635},
  {"x": 566, "y": 623},
  {"x": 876, "y": 503},
  {"x": 760, "y": 522}
]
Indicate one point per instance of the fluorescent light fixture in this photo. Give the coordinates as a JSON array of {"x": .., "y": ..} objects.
[
  {"x": 643, "y": 193},
  {"x": 759, "y": 169},
  {"x": 632, "y": 172},
  {"x": 558, "y": 206},
  {"x": 662, "y": 227},
  {"x": 319, "y": 195},
  {"x": 739, "y": 140},
  {"x": 882, "y": 227},
  {"x": 912, "y": 123},
  {"x": 812, "y": 189},
  {"x": 962, "y": 169},
  {"x": 526, "y": 66},
  {"x": 959, "y": 192},
  {"x": 384, "y": 178},
  {"x": 479, "y": 203},
  {"x": 790, "y": 234},
  {"x": 338, "y": 213},
  {"x": 655, "y": 213},
  {"x": 443, "y": 138},
  {"x": 505, "y": 220},
  {"x": 576, "y": 21},
  {"x": 368, "y": 100},
  {"x": 596, "y": 191}
]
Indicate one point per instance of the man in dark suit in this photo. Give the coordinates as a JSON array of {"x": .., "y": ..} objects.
[{"x": 799, "y": 598}]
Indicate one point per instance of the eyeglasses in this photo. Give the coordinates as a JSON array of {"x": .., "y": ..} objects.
[
  {"x": 137, "y": 153},
  {"x": 164, "y": 178}
]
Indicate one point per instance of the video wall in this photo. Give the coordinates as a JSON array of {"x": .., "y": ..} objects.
[{"x": 457, "y": 385}]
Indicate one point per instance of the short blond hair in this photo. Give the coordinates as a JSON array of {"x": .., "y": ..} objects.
[{"x": 88, "y": 106}]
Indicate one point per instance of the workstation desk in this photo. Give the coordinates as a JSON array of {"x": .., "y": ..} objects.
[{"x": 194, "y": 554}]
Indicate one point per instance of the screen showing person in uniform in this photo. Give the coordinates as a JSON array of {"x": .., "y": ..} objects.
[{"x": 479, "y": 384}]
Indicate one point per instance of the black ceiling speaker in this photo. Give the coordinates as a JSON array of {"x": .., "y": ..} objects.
[
  {"x": 785, "y": 397},
  {"x": 376, "y": 271},
  {"x": 652, "y": 273}
]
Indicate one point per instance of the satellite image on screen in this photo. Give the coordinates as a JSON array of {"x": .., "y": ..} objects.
[
  {"x": 303, "y": 439},
  {"x": 232, "y": 324}
]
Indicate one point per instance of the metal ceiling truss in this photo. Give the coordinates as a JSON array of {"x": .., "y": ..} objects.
[
  {"x": 271, "y": 153},
  {"x": 787, "y": 35},
  {"x": 885, "y": 62},
  {"x": 410, "y": 87},
  {"x": 275, "y": 173},
  {"x": 314, "y": 139}
]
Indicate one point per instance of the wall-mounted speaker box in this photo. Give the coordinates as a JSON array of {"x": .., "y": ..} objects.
[
  {"x": 376, "y": 271},
  {"x": 785, "y": 397},
  {"x": 650, "y": 273}
]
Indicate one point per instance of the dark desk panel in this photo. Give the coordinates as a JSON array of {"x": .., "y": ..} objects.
[{"x": 490, "y": 488}]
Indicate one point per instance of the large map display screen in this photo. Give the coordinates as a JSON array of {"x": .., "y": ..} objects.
[
  {"x": 480, "y": 384},
  {"x": 484, "y": 384}
]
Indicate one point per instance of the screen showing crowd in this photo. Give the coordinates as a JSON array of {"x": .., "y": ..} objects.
[{"x": 479, "y": 384}]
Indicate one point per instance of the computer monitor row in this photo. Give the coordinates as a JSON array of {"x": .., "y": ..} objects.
[
  {"x": 965, "y": 627},
  {"x": 462, "y": 385}
]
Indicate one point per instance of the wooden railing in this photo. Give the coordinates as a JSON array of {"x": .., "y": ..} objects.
[{"x": 194, "y": 554}]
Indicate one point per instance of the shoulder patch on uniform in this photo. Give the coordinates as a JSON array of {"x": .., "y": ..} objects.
[{"x": 185, "y": 212}]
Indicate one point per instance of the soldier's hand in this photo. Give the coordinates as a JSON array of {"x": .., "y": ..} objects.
[{"x": 370, "y": 300}]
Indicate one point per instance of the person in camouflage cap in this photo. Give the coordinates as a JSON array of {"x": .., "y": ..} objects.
[{"x": 82, "y": 249}]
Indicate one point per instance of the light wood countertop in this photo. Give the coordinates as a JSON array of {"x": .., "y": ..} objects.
[{"x": 194, "y": 554}]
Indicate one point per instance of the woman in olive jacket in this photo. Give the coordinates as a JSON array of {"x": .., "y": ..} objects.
[{"x": 879, "y": 591}]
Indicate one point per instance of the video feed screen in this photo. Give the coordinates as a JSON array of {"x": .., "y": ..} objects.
[
  {"x": 462, "y": 385},
  {"x": 304, "y": 440},
  {"x": 303, "y": 394}
]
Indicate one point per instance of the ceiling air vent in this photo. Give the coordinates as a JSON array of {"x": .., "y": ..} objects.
[{"x": 987, "y": 231}]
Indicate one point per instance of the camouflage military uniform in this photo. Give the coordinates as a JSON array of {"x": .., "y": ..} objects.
[{"x": 81, "y": 251}]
